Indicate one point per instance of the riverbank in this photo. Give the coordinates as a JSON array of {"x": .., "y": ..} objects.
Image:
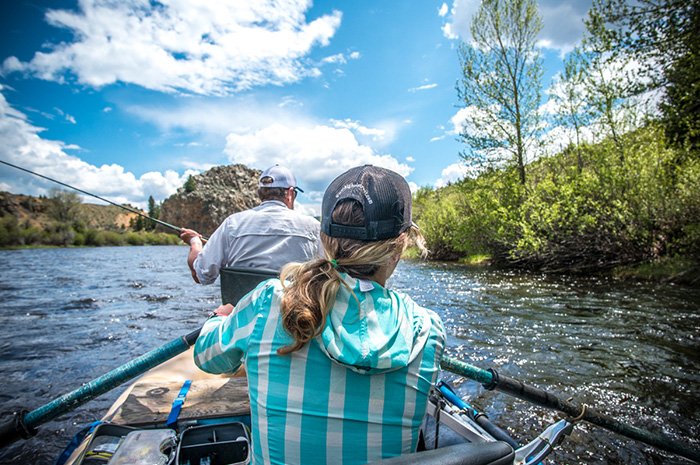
[
  {"x": 667, "y": 270},
  {"x": 677, "y": 270}
]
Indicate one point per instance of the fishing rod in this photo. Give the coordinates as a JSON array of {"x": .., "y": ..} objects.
[
  {"x": 163, "y": 223},
  {"x": 490, "y": 379},
  {"x": 23, "y": 425}
]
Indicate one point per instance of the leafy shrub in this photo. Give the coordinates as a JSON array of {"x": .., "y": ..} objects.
[
  {"x": 134, "y": 239},
  {"x": 9, "y": 231},
  {"x": 112, "y": 238},
  {"x": 79, "y": 239},
  {"x": 94, "y": 237},
  {"x": 31, "y": 236}
]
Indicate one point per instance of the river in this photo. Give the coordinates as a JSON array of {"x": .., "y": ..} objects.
[{"x": 630, "y": 350}]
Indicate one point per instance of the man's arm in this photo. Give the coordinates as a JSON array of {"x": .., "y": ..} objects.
[{"x": 193, "y": 238}]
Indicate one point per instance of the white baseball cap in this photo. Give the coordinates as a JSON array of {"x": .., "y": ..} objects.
[{"x": 281, "y": 177}]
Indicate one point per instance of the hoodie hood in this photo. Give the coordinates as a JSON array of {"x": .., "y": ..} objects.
[{"x": 385, "y": 333}]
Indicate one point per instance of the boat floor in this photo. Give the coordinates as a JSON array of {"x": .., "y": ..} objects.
[{"x": 148, "y": 400}]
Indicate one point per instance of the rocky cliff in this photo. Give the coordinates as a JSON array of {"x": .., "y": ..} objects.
[{"x": 217, "y": 193}]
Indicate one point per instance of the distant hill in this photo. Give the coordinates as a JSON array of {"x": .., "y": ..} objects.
[
  {"x": 201, "y": 204},
  {"x": 34, "y": 211}
]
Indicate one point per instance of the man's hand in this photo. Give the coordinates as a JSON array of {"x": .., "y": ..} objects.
[{"x": 188, "y": 234}]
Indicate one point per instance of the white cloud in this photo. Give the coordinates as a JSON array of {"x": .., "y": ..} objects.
[
  {"x": 443, "y": 10},
  {"x": 22, "y": 146},
  {"x": 340, "y": 58},
  {"x": 357, "y": 128},
  {"x": 458, "y": 120},
  {"x": 452, "y": 174},
  {"x": 316, "y": 154},
  {"x": 204, "y": 47},
  {"x": 425, "y": 87}
]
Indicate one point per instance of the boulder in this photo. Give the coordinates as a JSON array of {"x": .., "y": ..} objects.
[{"x": 218, "y": 193}]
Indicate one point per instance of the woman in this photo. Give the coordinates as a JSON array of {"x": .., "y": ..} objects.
[{"x": 339, "y": 367}]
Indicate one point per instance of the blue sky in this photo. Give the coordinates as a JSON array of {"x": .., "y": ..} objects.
[{"x": 125, "y": 99}]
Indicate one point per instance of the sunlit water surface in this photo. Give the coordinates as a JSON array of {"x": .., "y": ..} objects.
[{"x": 629, "y": 350}]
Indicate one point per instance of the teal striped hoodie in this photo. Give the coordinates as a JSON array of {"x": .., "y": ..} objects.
[{"x": 355, "y": 394}]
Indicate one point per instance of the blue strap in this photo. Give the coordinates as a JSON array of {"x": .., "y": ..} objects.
[
  {"x": 177, "y": 405},
  {"x": 77, "y": 439}
]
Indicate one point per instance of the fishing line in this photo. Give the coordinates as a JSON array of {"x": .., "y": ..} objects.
[{"x": 98, "y": 197}]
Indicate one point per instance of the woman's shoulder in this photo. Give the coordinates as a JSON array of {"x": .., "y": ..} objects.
[{"x": 420, "y": 313}]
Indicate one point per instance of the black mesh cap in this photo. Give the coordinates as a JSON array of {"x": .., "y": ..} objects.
[{"x": 385, "y": 199}]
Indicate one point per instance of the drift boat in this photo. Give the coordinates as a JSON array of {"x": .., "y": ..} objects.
[{"x": 178, "y": 414}]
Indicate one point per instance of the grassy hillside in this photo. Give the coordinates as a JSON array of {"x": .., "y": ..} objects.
[{"x": 36, "y": 221}]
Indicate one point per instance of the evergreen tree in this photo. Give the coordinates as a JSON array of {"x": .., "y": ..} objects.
[
  {"x": 153, "y": 212},
  {"x": 190, "y": 185}
]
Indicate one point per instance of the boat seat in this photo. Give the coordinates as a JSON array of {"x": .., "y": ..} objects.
[
  {"x": 237, "y": 281},
  {"x": 487, "y": 453}
]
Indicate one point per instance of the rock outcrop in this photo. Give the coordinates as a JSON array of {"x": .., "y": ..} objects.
[{"x": 218, "y": 193}]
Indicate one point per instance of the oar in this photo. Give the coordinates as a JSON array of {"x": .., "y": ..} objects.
[
  {"x": 492, "y": 380},
  {"x": 98, "y": 197},
  {"x": 23, "y": 425}
]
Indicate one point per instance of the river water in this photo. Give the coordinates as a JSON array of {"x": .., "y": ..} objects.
[{"x": 630, "y": 350}]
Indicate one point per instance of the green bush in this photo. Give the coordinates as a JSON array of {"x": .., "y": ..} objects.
[
  {"x": 9, "y": 231},
  {"x": 112, "y": 238},
  {"x": 134, "y": 239},
  {"x": 582, "y": 210},
  {"x": 31, "y": 236},
  {"x": 79, "y": 239},
  {"x": 94, "y": 237}
]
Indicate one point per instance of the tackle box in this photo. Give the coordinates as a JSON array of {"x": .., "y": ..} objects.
[{"x": 215, "y": 444}]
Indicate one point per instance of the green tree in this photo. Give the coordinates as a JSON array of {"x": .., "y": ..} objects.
[
  {"x": 609, "y": 83},
  {"x": 63, "y": 205},
  {"x": 501, "y": 84},
  {"x": 663, "y": 37},
  {"x": 572, "y": 110},
  {"x": 190, "y": 185},
  {"x": 153, "y": 212}
]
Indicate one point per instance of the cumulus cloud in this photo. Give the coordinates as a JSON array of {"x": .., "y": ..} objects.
[
  {"x": 207, "y": 47},
  {"x": 453, "y": 173},
  {"x": 563, "y": 22},
  {"x": 23, "y": 146},
  {"x": 316, "y": 154}
]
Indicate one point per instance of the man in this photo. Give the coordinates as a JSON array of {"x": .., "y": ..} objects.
[{"x": 267, "y": 236}]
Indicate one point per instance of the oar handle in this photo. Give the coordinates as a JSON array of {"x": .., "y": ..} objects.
[
  {"x": 23, "y": 425},
  {"x": 492, "y": 380}
]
